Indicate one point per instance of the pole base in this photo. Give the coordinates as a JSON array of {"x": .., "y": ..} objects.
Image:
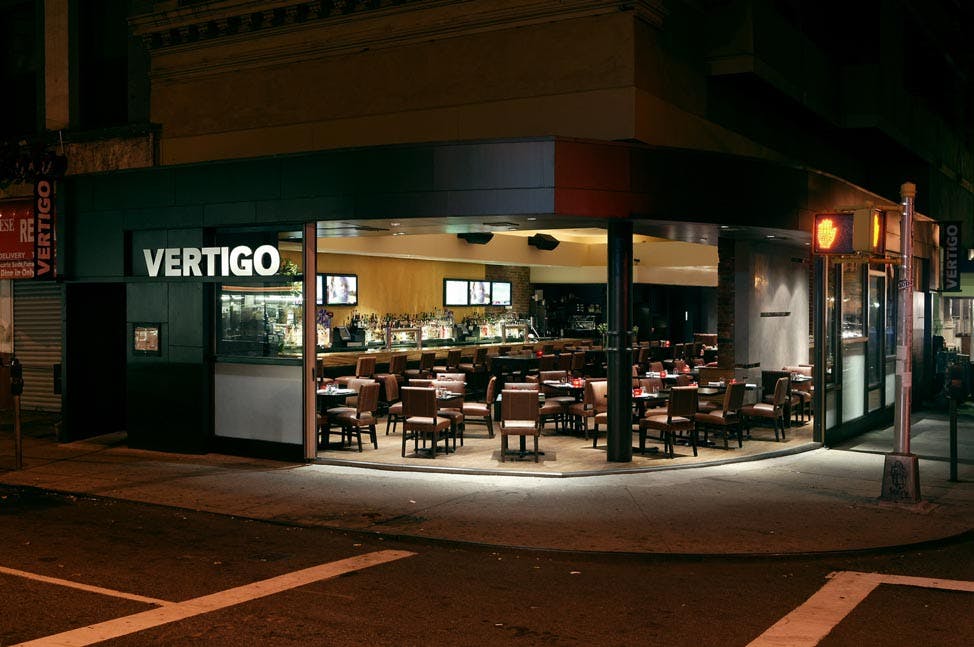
[{"x": 901, "y": 479}]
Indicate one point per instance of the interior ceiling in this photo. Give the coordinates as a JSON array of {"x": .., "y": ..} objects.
[{"x": 581, "y": 230}]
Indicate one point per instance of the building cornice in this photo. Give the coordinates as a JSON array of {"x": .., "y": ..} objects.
[{"x": 282, "y": 32}]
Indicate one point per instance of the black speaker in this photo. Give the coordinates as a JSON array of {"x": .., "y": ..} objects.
[
  {"x": 543, "y": 241},
  {"x": 476, "y": 238}
]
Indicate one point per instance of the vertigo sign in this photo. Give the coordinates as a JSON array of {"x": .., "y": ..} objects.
[
  {"x": 44, "y": 228},
  {"x": 950, "y": 242},
  {"x": 27, "y": 247}
]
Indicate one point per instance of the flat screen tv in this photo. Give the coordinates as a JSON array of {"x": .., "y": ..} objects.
[
  {"x": 500, "y": 293},
  {"x": 341, "y": 289},
  {"x": 455, "y": 292},
  {"x": 479, "y": 293}
]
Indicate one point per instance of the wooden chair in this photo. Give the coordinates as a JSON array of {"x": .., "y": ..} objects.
[
  {"x": 801, "y": 393},
  {"x": 774, "y": 410},
  {"x": 363, "y": 417},
  {"x": 420, "y": 420},
  {"x": 547, "y": 411},
  {"x": 678, "y": 419},
  {"x": 452, "y": 363},
  {"x": 364, "y": 368},
  {"x": 520, "y": 416},
  {"x": 425, "y": 368},
  {"x": 482, "y": 410},
  {"x": 593, "y": 402},
  {"x": 453, "y": 409},
  {"x": 728, "y": 418}
]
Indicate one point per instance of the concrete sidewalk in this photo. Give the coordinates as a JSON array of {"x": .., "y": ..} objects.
[{"x": 819, "y": 501}]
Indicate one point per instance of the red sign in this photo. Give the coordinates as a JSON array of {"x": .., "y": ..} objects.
[
  {"x": 17, "y": 239},
  {"x": 27, "y": 249}
]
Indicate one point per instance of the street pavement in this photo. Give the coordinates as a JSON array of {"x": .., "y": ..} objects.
[{"x": 822, "y": 500}]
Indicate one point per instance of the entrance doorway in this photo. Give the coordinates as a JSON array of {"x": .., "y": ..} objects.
[{"x": 94, "y": 353}]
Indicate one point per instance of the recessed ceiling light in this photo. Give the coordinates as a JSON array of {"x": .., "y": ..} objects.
[
  {"x": 531, "y": 218},
  {"x": 770, "y": 236},
  {"x": 398, "y": 233},
  {"x": 395, "y": 224}
]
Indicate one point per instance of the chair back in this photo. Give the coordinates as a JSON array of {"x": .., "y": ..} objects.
[
  {"x": 392, "y": 387},
  {"x": 600, "y": 403},
  {"x": 734, "y": 397},
  {"x": 656, "y": 367},
  {"x": 458, "y": 388},
  {"x": 480, "y": 357},
  {"x": 643, "y": 356},
  {"x": 421, "y": 382},
  {"x": 365, "y": 366},
  {"x": 714, "y": 374},
  {"x": 418, "y": 402},
  {"x": 397, "y": 363},
  {"x": 503, "y": 350},
  {"x": 684, "y": 380},
  {"x": 683, "y": 402},
  {"x": 679, "y": 365},
  {"x": 650, "y": 384},
  {"x": 781, "y": 392},
  {"x": 769, "y": 380},
  {"x": 564, "y": 362},
  {"x": 491, "y": 389},
  {"x": 522, "y": 386},
  {"x": 451, "y": 377},
  {"x": 519, "y": 405},
  {"x": 578, "y": 362},
  {"x": 426, "y": 361},
  {"x": 356, "y": 385},
  {"x": 544, "y": 376},
  {"x": 547, "y": 362},
  {"x": 368, "y": 398}
]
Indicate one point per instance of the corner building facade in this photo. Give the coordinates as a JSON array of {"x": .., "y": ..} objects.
[{"x": 720, "y": 129}]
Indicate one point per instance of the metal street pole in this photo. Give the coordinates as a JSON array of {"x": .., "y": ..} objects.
[{"x": 901, "y": 473}]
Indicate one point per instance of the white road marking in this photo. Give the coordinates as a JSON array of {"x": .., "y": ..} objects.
[
  {"x": 173, "y": 612},
  {"x": 83, "y": 587},
  {"x": 807, "y": 625}
]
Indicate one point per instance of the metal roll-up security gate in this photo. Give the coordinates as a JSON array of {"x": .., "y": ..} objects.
[{"x": 38, "y": 335}]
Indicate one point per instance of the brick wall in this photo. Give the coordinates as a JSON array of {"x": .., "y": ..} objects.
[{"x": 521, "y": 290}]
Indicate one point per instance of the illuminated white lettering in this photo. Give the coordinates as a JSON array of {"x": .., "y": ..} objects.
[
  {"x": 153, "y": 260},
  {"x": 191, "y": 261}
]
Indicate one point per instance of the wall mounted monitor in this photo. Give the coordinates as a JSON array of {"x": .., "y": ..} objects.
[
  {"x": 341, "y": 289},
  {"x": 500, "y": 293},
  {"x": 455, "y": 292},
  {"x": 479, "y": 293}
]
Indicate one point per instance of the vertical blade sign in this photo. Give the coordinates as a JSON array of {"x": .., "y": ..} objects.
[{"x": 44, "y": 228}]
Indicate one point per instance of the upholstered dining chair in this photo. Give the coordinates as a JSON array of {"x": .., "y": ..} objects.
[
  {"x": 420, "y": 420},
  {"x": 482, "y": 410},
  {"x": 774, "y": 410},
  {"x": 678, "y": 419},
  {"x": 520, "y": 416},
  {"x": 362, "y": 417},
  {"x": 727, "y": 419},
  {"x": 364, "y": 367}
]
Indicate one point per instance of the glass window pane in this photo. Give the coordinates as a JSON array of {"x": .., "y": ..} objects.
[
  {"x": 852, "y": 301},
  {"x": 260, "y": 320}
]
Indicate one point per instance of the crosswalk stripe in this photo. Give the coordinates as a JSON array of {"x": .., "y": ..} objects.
[
  {"x": 808, "y": 624},
  {"x": 174, "y": 612},
  {"x": 82, "y": 587}
]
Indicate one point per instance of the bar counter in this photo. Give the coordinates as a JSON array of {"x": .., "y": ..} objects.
[{"x": 348, "y": 358}]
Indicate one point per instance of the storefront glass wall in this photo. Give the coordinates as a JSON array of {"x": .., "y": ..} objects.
[{"x": 258, "y": 342}]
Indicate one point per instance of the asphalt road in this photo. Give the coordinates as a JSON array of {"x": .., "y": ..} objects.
[{"x": 172, "y": 577}]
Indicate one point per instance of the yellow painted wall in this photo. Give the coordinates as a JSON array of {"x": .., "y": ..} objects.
[{"x": 396, "y": 285}]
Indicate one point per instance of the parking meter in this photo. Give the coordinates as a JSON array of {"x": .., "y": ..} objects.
[{"x": 16, "y": 377}]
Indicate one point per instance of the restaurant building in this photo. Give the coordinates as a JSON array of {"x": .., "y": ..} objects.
[{"x": 363, "y": 138}]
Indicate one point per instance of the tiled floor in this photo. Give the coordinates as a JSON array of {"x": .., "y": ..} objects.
[{"x": 563, "y": 454}]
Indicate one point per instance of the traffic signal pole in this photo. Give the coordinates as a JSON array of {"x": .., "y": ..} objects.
[{"x": 901, "y": 473}]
